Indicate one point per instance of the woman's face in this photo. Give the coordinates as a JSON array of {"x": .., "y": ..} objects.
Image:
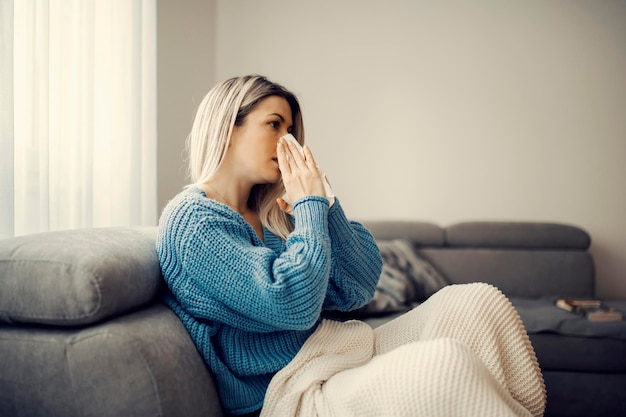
[{"x": 253, "y": 144}]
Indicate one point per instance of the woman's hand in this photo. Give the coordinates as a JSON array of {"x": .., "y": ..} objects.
[{"x": 301, "y": 175}]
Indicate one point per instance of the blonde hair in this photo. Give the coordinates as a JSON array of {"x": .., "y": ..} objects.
[{"x": 227, "y": 105}]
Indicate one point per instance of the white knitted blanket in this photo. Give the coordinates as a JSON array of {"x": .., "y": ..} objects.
[{"x": 464, "y": 352}]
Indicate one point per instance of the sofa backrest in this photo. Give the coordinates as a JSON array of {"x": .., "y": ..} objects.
[{"x": 523, "y": 259}]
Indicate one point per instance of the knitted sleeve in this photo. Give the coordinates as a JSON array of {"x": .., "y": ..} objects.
[
  {"x": 230, "y": 279},
  {"x": 356, "y": 263}
]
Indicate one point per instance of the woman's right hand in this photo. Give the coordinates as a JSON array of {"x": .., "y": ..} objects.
[{"x": 301, "y": 175}]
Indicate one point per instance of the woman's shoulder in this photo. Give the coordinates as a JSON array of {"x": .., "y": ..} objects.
[
  {"x": 193, "y": 202},
  {"x": 191, "y": 208}
]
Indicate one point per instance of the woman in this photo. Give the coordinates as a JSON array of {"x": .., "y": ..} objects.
[{"x": 254, "y": 251}]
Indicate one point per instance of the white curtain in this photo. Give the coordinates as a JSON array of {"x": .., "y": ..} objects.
[{"x": 77, "y": 114}]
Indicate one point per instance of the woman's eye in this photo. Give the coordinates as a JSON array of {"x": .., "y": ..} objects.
[{"x": 274, "y": 125}]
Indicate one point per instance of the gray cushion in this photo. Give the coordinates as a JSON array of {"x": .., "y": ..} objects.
[
  {"x": 516, "y": 235},
  {"x": 418, "y": 233},
  {"x": 77, "y": 277},
  {"x": 518, "y": 273},
  {"x": 584, "y": 394},
  {"x": 579, "y": 353},
  {"x": 140, "y": 364}
]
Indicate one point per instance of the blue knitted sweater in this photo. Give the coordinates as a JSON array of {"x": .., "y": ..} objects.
[{"x": 250, "y": 304}]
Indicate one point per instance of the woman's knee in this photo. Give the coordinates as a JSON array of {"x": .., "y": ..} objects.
[{"x": 418, "y": 377}]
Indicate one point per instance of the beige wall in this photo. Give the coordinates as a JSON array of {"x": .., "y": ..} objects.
[
  {"x": 185, "y": 72},
  {"x": 449, "y": 111}
]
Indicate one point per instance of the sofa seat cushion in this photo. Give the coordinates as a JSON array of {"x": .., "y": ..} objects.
[
  {"x": 542, "y": 315},
  {"x": 143, "y": 363},
  {"x": 77, "y": 277},
  {"x": 579, "y": 354}
]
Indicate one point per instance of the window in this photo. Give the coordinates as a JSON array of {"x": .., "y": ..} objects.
[{"x": 77, "y": 114}]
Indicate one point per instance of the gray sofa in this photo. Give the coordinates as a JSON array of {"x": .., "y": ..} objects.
[{"x": 83, "y": 333}]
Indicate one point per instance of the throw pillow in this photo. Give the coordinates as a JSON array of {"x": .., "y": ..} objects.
[{"x": 406, "y": 279}]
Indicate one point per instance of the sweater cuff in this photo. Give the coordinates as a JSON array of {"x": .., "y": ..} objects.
[
  {"x": 311, "y": 213},
  {"x": 338, "y": 224}
]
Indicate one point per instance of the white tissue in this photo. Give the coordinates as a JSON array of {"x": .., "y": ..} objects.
[{"x": 290, "y": 138}]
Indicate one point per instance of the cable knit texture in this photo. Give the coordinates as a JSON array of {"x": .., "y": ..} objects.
[
  {"x": 464, "y": 352},
  {"x": 250, "y": 304}
]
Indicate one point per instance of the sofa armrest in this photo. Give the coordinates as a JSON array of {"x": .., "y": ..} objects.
[{"x": 77, "y": 277}]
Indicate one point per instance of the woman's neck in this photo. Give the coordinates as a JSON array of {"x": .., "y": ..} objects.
[
  {"x": 234, "y": 197},
  {"x": 252, "y": 217}
]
